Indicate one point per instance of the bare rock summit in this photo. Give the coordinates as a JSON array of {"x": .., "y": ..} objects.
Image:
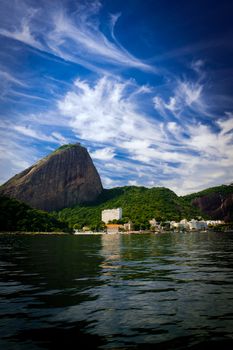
[{"x": 64, "y": 178}]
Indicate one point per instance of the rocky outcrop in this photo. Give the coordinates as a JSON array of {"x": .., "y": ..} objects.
[
  {"x": 216, "y": 205},
  {"x": 64, "y": 178}
]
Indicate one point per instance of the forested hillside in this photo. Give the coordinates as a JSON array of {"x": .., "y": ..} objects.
[
  {"x": 216, "y": 202},
  {"x": 18, "y": 216},
  {"x": 223, "y": 190},
  {"x": 139, "y": 204}
]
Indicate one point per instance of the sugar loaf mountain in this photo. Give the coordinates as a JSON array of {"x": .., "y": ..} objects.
[
  {"x": 64, "y": 189},
  {"x": 64, "y": 178}
]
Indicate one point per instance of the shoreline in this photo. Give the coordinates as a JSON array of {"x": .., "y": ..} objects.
[
  {"x": 104, "y": 233},
  {"x": 32, "y": 233}
]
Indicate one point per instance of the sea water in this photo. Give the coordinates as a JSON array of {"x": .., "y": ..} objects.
[{"x": 139, "y": 291}]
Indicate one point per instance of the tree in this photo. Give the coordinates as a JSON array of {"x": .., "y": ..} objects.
[{"x": 77, "y": 227}]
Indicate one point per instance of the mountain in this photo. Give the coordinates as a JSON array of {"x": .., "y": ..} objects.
[
  {"x": 67, "y": 181},
  {"x": 18, "y": 216},
  {"x": 216, "y": 202},
  {"x": 64, "y": 178},
  {"x": 139, "y": 204}
]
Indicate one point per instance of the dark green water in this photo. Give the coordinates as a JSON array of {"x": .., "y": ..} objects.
[{"x": 170, "y": 291}]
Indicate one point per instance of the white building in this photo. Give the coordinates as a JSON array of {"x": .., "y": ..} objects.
[
  {"x": 184, "y": 224},
  {"x": 197, "y": 225},
  {"x": 153, "y": 223},
  {"x": 174, "y": 224},
  {"x": 214, "y": 222},
  {"x": 111, "y": 214},
  {"x": 128, "y": 226},
  {"x": 189, "y": 225},
  {"x": 193, "y": 224}
]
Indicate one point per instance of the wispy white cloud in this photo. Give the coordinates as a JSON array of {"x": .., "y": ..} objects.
[
  {"x": 27, "y": 96},
  {"x": 189, "y": 92},
  {"x": 81, "y": 36},
  {"x": 197, "y": 66},
  {"x": 8, "y": 77},
  {"x": 193, "y": 49},
  {"x": 186, "y": 94},
  {"x": 76, "y": 38},
  {"x": 106, "y": 153},
  {"x": 106, "y": 112},
  {"x": 226, "y": 125},
  {"x": 54, "y": 137},
  {"x": 129, "y": 145},
  {"x": 113, "y": 20},
  {"x": 59, "y": 138},
  {"x": 8, "y": 82},
  {"x": 23, "y": 32},
  {"x": 154, "y": 153},
  {"x": 163, "y": 150},
  {"x": 15, "y": 155}
]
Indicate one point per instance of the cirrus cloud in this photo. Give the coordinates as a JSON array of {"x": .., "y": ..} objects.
[{"x": 105, "y": 113}]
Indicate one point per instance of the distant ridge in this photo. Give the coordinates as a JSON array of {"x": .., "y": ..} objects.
[
  {"x": 216, "y": 202},
  {"x": 64, "y": 178}
]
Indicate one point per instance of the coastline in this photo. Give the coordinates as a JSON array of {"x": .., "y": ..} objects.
[
  {"x": 32, "y": 233},
  {"x": 54, "y": 233},
  {"x": 75, "y": 234}
]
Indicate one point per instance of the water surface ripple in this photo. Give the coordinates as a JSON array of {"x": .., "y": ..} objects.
[{"x": 168, "y": 291}]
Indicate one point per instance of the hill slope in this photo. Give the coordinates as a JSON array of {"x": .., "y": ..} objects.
[
  {"x": 62, "y": 179},
  {"x": 216, "y": 202},
  {"x": 139, "y": 204},
  {"x": 17, "y": 216}
]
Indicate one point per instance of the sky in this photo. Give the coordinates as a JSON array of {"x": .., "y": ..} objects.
[{"x": 145, "y": 85}]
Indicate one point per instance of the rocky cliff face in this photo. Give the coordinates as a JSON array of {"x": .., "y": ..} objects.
[
  {"x": 216, "y": 205},
  {"x": 64, "y": 178}
]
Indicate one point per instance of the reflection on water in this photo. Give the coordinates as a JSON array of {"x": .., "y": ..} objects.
[
  {"x": 116, "y": 291},
  {"x": 111, "y": 247}
]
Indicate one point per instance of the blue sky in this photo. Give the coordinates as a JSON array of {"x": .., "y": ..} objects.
[{"x": 145, "y": 85}]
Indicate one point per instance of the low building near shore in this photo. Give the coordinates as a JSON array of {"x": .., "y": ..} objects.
[
  {"x": 174, "y": 224},
  {"x": 128, "y": 226},
  {"x": 113, "y": 228},
  {"x": 85, "y": 228},
  {"x": 154, "y": 225},
  {"x": 215, "y": 222},
  {"x": 189, "y": 225},
  {"x": 184, "y": 224},
  {"x": 197, "y": 225}
]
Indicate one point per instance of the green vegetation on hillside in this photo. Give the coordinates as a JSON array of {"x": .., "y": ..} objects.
[
  {"x": 139, "y": 204},
  {"x": 223, "y": 190},
  {"x": 64, "y": 147},
  {"x": 18, "y": 216}
]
